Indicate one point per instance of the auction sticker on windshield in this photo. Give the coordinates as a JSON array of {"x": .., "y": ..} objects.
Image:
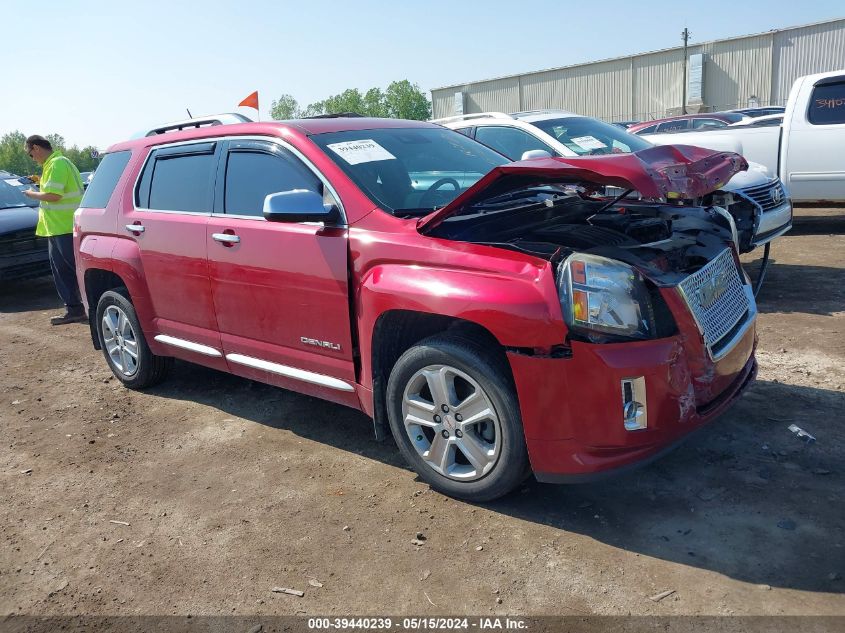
[
  {"x": 588, "y": 142},
  {"x": 363, "y": 151}
]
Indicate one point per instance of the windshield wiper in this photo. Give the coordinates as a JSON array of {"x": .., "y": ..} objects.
[
  {"x": 496, "y": 201},
  {"x": 414, "y": 213}
]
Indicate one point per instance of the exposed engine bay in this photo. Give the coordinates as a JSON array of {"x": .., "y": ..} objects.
[{"x": 666, "y": 242}]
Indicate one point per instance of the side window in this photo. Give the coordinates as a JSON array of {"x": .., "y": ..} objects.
[
  {"x": 108, "y": 173},
  {"x": 827, "y": 103},
  {"x": 698, "y": 124},
  {"x": 673, "y": 126},
  {"x": 509, "y": 141},
  {"x": 466, "y": 131},
  {"x": 252, "y": 174},
  {"x": 178, "y": 178},
  {"x": 647, "y": 130}
]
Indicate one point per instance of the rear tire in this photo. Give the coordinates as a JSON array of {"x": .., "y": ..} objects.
[
  {"x": 124, "y": 346},
  {"x": 455, "y": 417}
]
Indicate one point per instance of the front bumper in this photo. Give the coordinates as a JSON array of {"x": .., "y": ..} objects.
[
  {"x": 773, "y": 224},
  {"x": 572, "y": 407},
  {"x": 27, "y": 265}
]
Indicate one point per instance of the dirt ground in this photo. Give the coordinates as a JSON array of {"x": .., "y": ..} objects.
[{"x": 201, "y": 495}]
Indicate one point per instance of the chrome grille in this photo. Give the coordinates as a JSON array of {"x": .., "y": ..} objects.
[
  {"x": 767, "y": 196},
  {"x": 716, "y": 297}
]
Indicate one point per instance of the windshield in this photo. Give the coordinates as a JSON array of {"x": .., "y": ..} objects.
[
  {"x": 409, "y": 171},
  {"x": 586, "y": 136},
  {"x": 11, "y": 196}
]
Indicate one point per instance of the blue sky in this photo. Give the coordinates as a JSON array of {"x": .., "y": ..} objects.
[{"x": 96, "y": 72}]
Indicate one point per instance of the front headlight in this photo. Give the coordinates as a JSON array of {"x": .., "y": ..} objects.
[{"x": 602, "y": 296}]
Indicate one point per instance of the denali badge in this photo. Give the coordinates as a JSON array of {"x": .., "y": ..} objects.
[
  {"x": 777, "y": 195},
  {"x": 315, "y": 342},
  {"x": 712, "y": 289}
]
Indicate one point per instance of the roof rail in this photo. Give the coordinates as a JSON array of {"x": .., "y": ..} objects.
[
  {"x": 335, "y": 115},
  {"x": 470, "y": 117},
  {"x": 542, "y": 111},
  {"x": 213, "y": 119}
]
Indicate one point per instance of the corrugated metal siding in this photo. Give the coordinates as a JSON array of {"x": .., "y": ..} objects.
[
  {"x": 601, "y": 89},
  {"x": 804, "y": 51},
  {"x": 498, "y": 96},
  {"x": 650, "y": 85},
  {"x": 735, "y": 70},
  {"x": 443, "y": 103},
  {"x": 657, "y": 83}
]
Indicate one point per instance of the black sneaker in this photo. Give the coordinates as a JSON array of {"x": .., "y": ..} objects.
[{"x": 68, "y": 317}]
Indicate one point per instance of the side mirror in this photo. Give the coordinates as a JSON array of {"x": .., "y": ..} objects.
[
  {"x": 535, "y": 153},
  {"x": 299, "y": 205}
]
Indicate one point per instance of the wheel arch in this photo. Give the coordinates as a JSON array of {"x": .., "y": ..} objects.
[
  {"x": 97, "y": 282},
  {"x": 396, "y": 331}
]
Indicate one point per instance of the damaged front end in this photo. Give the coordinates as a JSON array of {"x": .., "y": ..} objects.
[{"x": 642, "y": 266}]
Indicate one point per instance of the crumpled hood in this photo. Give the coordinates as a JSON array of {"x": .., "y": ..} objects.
[{"x": 660, "y": 172}]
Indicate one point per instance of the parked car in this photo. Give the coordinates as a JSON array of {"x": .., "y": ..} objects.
[
  {"x": 517, "y": 321},
  {"x": 761, "y": 111},
  {"x": 685, "y": 122},
  {"x": 805, "y": 151},
  {"x": 756, "y": 201},
  {"x": 22, "y": 254},
  {"x": 761, "y": 121},
  {"x": 86, "y": 176}
]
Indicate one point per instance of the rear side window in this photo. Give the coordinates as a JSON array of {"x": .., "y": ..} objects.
[
  {"x": 698, "y": 124},
  {"x": 179, "y": 179},
  {"x": 673, "y": 126},
  {"x": 827, "y": 105},
  {"x": 511, "y": 142},
  {"x": 105, "y": 180},
  {"x": 253, "y": 175}
]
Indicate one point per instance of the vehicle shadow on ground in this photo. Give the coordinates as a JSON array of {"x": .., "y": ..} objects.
[
  {"x": 29, "y": 295},
  {"x": 791, "y": 288},
  {"x": 809, "y": 221},
  {"x": 744, "y": 497}
]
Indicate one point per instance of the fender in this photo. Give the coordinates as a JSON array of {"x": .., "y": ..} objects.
[
  {"x": 519, "y": 310},
  {"x": 125, "y": 262}
]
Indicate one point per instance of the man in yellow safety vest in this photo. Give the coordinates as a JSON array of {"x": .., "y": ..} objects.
[{"x": 60, "y": 196}]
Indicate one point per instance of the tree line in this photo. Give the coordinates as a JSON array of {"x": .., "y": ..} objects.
[
  {"x": 13, "y": 156},
  {"x": 401, "y": 100}
]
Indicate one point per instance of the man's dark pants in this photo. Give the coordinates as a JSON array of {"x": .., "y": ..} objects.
[{"x": 63, "y": 264}]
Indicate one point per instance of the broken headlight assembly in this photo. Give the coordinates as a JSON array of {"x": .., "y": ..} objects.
[{"x": 604, "y": 299}]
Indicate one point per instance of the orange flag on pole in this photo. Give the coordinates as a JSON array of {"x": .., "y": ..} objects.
[{"x": 251, "y": 101}]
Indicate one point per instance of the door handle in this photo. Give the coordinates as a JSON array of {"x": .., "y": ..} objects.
[
  {"x": 225, "y": 238},
  {"x": 135, "y": 228}
]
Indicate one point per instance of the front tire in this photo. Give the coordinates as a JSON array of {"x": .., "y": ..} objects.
[
  {"x": 123, "y": 343},
  {"x": 455, "y": 417}
]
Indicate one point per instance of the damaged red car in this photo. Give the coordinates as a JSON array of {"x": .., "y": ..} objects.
[{"x": 495, "y": 318}]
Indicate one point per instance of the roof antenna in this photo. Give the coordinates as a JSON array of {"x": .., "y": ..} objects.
[{"x": 190, "y": 116}]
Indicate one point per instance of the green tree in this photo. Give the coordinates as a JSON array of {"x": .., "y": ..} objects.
[
  {"x": 285, "y": 107},
  {"x": 401, "y": 100},
  {"x": 375, "y": 104},
  {"x": 405, "y": 100},
  {"x": 350, "y": 100},
  {"x": 13, "y": 156}
]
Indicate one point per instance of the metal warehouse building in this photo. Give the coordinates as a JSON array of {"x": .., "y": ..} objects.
[{"x": 722, "y": 74}]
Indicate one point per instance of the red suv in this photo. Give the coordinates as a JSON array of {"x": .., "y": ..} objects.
[{"x": 497, "y": 318}]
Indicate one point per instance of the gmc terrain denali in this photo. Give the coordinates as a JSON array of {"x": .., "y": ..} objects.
[{"x": 497, "y": 318}]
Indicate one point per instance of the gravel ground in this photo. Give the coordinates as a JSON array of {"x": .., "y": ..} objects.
[{"x": 201, "y": 495}]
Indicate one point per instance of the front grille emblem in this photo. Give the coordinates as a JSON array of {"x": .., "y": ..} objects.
[
  {"x": 712, "y": 289},
  {"x": 777, "y": 195}
]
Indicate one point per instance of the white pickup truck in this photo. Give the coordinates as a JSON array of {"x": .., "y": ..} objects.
[{"x": 805, "y": 151}]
